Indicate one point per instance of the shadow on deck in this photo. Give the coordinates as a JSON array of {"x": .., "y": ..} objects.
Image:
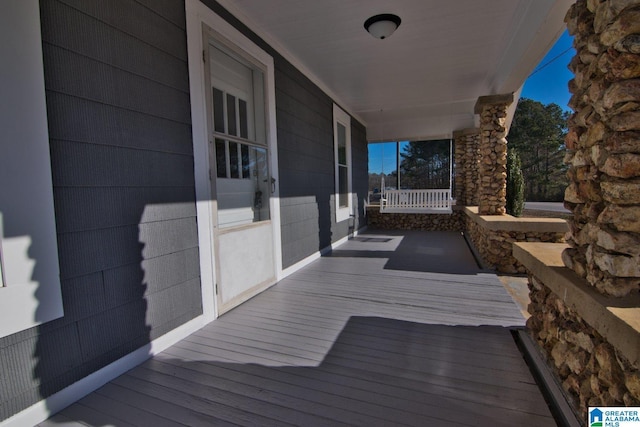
[{"x": 384, "y": 331}]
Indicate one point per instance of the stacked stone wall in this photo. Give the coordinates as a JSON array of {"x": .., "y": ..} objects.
[
  {"x": 467, "y": 158},
  {"x": 496, "y": 246},
  {"x": 492, "y": 169},
  {"x": 603, "y": 145},
  {"x": 460, "y": 191},
  {"x": 592, "y": 372},
  {"x": 603, "y": 155},
  {"x": 471, "y": 169},
  {"x": 414, "y": 221}
]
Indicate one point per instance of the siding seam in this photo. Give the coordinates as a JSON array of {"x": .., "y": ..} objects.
[{"x": 125, "y": 32}]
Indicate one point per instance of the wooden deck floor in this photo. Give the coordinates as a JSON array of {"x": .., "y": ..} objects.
[{"x": 391, "y": 329}]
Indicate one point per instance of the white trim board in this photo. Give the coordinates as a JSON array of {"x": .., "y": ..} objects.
[
  {"x": 30, "y": 292},
  {"x": 197, "y": 16},
  {"x": 317, "y": 255},
  {"x": 55, "y": 403}
]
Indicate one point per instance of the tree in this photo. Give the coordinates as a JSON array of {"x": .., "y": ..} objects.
[
  {"x": 515, "y": 184},
  {"x": 425, "y": 165},
  {"x": 537, "y": 133}
]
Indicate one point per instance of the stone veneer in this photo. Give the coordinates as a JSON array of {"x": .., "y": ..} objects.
[
  {"x": 603, "y": 145},
  {"x": 492, "y": 170},
  {"x": 585, "y": 305},
  {"x": 493, "y": 236},
  {"x": 414, "y": 221},
  {"x": 591, "y": 341},
  {"x": 467, "y": 160}
]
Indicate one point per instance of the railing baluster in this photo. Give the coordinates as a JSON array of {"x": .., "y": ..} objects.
[{"x": 416, "y": 201}]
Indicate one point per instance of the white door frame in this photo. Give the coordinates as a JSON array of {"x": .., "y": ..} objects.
[{"x": 197, "y": 16}]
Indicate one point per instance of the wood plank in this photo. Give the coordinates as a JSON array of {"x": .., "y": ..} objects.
[
  {"x": 350, "y": 339},
  {"x": 408, "y": 394},
  {"x": 176, "y": 410},
  {"x": 133, "y": 414},
  {"x": 59, "y": 420},
  {"x": 280, "y": 408},
  {"x": 345, "y": 404},
  {"x": 90, "y": 417},
  {"x": 298, "y": 405},
  {"x": 311, "y": 305},
  {"x": 196, "y": 407},
  {"x": 479, "y": 388},
  {"x": 282, "y": 353}
]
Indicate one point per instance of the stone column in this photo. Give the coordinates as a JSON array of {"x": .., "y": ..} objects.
[
  {"x": 603, "y": 145},
  {"x": 492, "y": 191},
  {"x": 467, "y": 157},
  {"x": 459, "y": 148},
  {"x": 472, "y": 167}
]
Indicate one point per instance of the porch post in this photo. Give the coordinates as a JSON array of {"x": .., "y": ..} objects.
[
  {"x": 492, "y": 169},
  {"x": 467, "y": 158},
  {"x": 603, "y": 146}
]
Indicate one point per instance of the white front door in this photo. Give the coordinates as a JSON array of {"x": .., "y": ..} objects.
[{"x": 242, "y": 182}]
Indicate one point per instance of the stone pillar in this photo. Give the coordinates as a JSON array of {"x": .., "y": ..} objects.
[
  {"x": 459, "y": 149},
  {"x": 492, "y": 191},
  {"x": 467, "y": 158},
  {"x": 603, "y": 145},
  {"x": 472, "y": 174}
]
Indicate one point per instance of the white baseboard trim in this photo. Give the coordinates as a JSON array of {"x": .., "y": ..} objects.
[
  {"x": 55, "y": 403},
  {"x": 44, "y": 409},
  {"x": 308, "y": 260}
]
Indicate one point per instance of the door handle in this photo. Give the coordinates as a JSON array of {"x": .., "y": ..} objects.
[{"x": 273, "y": 184}]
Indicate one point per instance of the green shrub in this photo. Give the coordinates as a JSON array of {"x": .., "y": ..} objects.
[{"x": 515, "y": 184}]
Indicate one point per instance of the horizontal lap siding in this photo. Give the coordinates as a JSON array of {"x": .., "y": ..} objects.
[
  {"x": 305, "y": 160},
  {"x": 306, "y": 166},
  {"x": 117, "y": 91},
  {"x": 118, "y": 106}
]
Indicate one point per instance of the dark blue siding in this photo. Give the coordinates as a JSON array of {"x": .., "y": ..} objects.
[{"x": 117, "y": 89}]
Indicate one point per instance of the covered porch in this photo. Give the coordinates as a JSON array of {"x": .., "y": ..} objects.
[
  {"x": 126, "y": 169},
  {"x": 396, "y": 328}
]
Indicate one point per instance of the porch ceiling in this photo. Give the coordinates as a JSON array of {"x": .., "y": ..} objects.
[{"x": 424, "y": 80}]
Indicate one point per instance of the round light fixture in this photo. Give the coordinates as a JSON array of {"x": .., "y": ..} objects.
[{"x": 382, "y": 26}]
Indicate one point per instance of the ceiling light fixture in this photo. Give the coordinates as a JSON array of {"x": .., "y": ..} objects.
[{"x": 382, "y": 26}]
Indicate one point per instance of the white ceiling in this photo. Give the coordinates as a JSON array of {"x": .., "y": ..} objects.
[{"x": 424, "y": 80}]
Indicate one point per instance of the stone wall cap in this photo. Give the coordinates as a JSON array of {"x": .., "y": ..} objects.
[
  {"x": 616, "y": 319},
  {"x": 506, "y": 99},
  {"x": 511, "y": 223}
]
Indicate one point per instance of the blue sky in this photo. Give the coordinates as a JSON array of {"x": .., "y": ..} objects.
[{"x": 547, "y": 83}]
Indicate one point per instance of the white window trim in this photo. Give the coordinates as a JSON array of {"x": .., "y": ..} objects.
[
  {"x": 340, "y": 116},
  {"x": 31, "y": 293},
  {"x": 198, "y": 15}
]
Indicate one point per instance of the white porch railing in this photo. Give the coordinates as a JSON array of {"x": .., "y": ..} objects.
[{"x": 416, "y": 201}]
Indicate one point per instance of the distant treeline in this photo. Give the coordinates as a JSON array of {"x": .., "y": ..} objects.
[{"x": 537, "y": 134}]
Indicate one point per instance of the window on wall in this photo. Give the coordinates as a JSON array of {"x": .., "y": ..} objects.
[{"x": 342, "y": 152}]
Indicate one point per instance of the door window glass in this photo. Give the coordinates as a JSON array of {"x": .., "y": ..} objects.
[
  {"x": 342, "y": 150},
  {"x": 243, "y": 182}
]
